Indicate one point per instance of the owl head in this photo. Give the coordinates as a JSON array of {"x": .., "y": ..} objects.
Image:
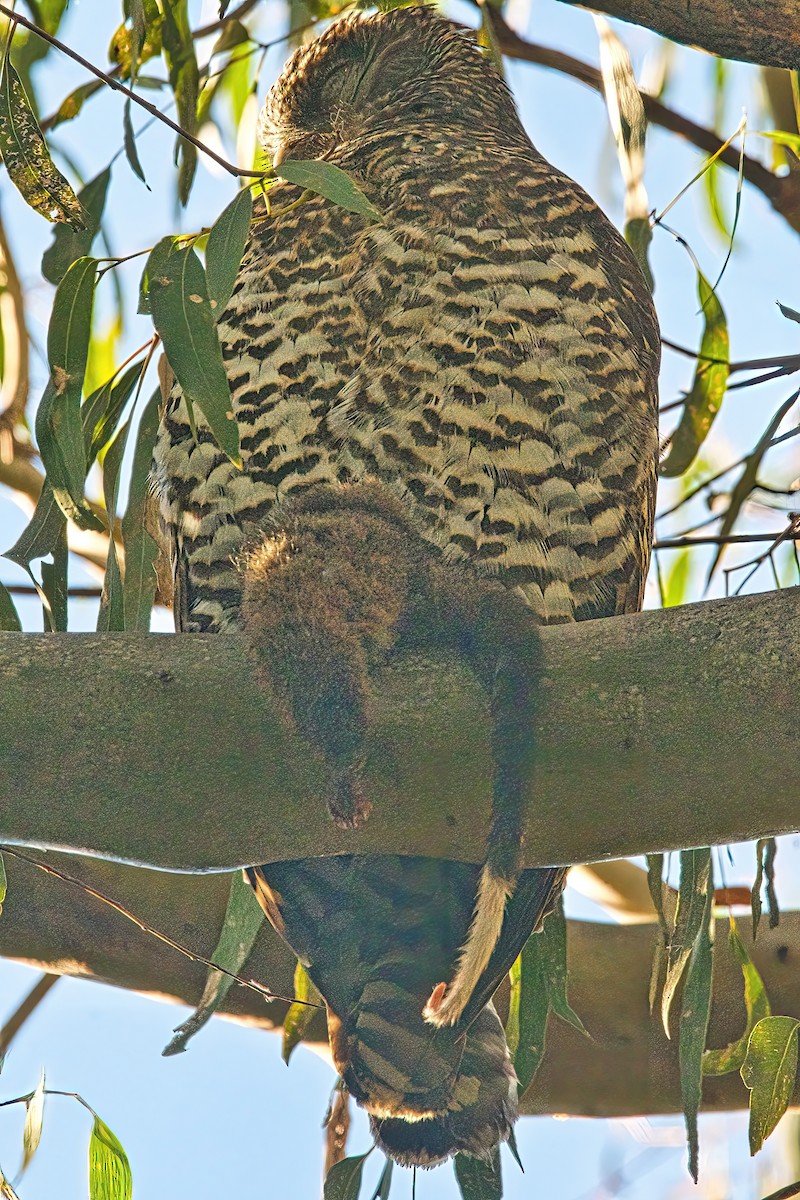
[{"x": 368, "y": 77}]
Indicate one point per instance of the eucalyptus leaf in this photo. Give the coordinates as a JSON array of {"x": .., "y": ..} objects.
[
  {"x": 343, "y": 1181},
  {"x": 69, "y": 244},
  {"x": 54, "y": 589},
  {"x": 689, "y": 919},
  {"x": 769, "y": 1072},
  {"x": 184, "y": 78},
  {"x": 3, "y": 882},
  {"x": 182, "y": 314},
  {"x": 693, "y": 1027},
  {"x": 111, "y": 616},
  {"x": 129, "y": 142},
  {"x": 9, "y": 617},
  {"x": 477, "y": 1179},
  {"x": 32, "y": 1131},
  {"x": 139, "y": 584},
  {"x": 757, "y": 1006},
  {"x": 225, "y": 247},
  {"x": 710, "y": 381},
  {"x": 27, "y": 159},
  {"x": 330, "y": 181},
  {"x": 384, "y": 1184},
  {"x": 109, "y": 1170},
  {"x": 243, "y": 919},
  {"x": 301, "y": 1013}
]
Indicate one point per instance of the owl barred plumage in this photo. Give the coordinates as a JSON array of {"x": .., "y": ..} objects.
[{"x": 448, "y": 425}]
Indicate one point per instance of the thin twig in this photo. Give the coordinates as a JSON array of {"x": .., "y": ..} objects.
[
  {"x": 115, "y": 84},
  {"x": 785, "y": 1193},
  {"x": 26, "y": 1009},
  {"x": 731, "y": 539},
  {"x": 253, "y": 984}
]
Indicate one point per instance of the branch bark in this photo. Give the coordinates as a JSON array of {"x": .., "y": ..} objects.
[
  {"x": 627, "y": 1068},
  {"x": 658, "y": 731},
  {"x": 756, "y": 31}
]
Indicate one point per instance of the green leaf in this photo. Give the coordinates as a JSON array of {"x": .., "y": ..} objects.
[
  {"x": 656, "y": 886},
  {"x": 791, "y": 314},
  {"x": 54, "y": 584},
  {"x": 183, "y": 316},
  {"x": 768, "y": 1073},
  {"x": 384, "y": 1184},
  {"x": 756, "y": 1003},
  {"x": 693, "y": 1027},
  {"x": 129, "y": 141},
  {"x": 243, "y": 919},
  {"x": 100, "y": 412},
  {"x": 710, "y": 381},
  {"x": 329, "y": 181},
  {"x": 109, "y": 1170},
  {"x": 9, "y": 618},
  {"x": 70, "y": 107},
  {"x": 749, "y": 477},
  {"x": 68, "y": 244},
  {"x": 42, "y": 531},
  {"x": 301, "y": 1013},
  {"x": 111, "y": 616},
  {"x": 184, "y": 78},
  {"x": 479, "y": 1180},
  {"x": 130, "y": 47},
  {"x": 139, "y": 585},
  {"x": 32, "y": 1132},
  {"x": 225, "y": 248},
  {"x": 532, "y": 1009},
  {"x": 343, "y": 1181},
  {"x": 553, "y": 942},
  {"x": 58, "y": 420},
  {"x": 3, "y": 882},
  {"x": 689, "y": 919},
  {"x": 27, "y": 159}
]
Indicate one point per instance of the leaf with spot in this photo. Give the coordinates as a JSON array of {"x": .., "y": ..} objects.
[
  {"x": 225, "y": 247},
  {"x": 756, "y": 1003},
  {"x": 27, "y": 159},
  {"x": 301, "y": 1013},
  {"x": 109, "y": 1170},
  {"x": 477, "y": 1179},
  {"x": 132, "y": 45},
  {"x": 693, "y": 1027},
  {"x": 710, "y": 381},
  {"x": 689, "y": 919},
  {"x": 748, "y": 479},
  {"x": 769, "y": 1072},
  {"x": 184, "y": 78},
  {"x": 182, "y": 314},
  {"x": 139, "y": 583},
  {"x": 58, "y": 420},
  {"x": 9, "y": 618},
  {"x": 32, "y": 1131},
  {"x": 330, "y": 181},
  {"x": 243, "y": 920},
  {"x": 69, "y": 244},
  {"x": 343, "y": 1181}
]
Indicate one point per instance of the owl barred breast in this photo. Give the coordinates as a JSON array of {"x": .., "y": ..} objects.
[{"x": 482, "y": 363}]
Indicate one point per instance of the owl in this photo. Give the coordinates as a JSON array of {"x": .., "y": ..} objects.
[{"x": 448, "y": 423}]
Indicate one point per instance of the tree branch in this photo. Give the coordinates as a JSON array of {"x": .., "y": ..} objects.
[
  {"x": 757, "y": 31},
  {"x": 627, "y": 1067},
  {"x": 160, "y": 750}
]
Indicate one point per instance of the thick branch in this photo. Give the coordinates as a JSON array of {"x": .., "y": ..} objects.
[
  {"x": 658, "y": 731},
  {"x": 756, "y": 31},
  {"x": 627, "y": 1068}
]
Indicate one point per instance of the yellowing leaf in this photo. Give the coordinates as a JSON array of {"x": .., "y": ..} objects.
[
  {"x": 301, "y": 1013},
  {"x": 32, "y": 1132},
  {"x": 27, "y": 159},
  {"x": 756, "y": 1003},
  {"x": 109, "y": 1169}
]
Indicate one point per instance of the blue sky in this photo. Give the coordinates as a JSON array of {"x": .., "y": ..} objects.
[{"x": 228, "y": 1117}]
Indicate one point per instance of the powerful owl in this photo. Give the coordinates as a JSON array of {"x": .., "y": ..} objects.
[{"x": 449, "y": 435}]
